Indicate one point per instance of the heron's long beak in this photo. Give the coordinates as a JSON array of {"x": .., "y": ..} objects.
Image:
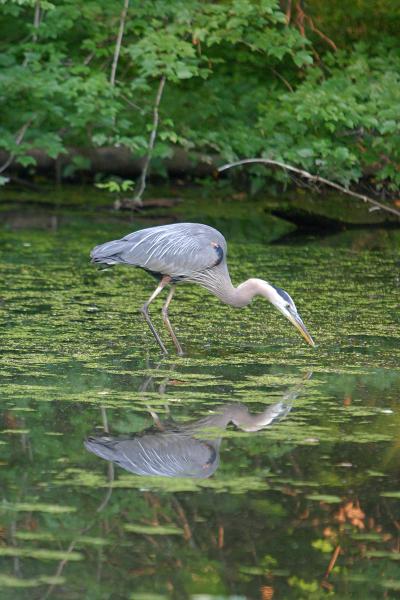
[{"x": 296, "y": 320}]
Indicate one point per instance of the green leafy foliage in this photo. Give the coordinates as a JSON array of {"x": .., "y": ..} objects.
[
  {"x": 116, "y": 186},
  {"x": 342, "y": 120},
  {"x": 240, "y": 82},
  {"x": 55, "y": 74}
]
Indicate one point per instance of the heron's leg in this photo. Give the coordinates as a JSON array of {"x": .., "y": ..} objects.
[
  {"x": 167, "y": 321},
  {"x": 145, "y": 311}
]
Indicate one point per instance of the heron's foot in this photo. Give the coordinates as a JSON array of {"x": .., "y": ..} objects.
[{"x": 179, "y": 350}]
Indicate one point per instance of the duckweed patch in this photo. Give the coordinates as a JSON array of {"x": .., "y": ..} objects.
[{"x": 76, "y": 359}]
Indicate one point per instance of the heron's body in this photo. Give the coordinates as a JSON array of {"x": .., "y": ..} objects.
[
  {"x": 168, "y": 453},
  {"x": 189, "y": 450},
  {"x": 179, "y": 250},
  {"x": 186, "y": 252}
]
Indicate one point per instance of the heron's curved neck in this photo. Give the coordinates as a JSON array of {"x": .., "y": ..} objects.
[
  {"x": 245, "y": 292},
  {"x": 239, "y": 415}
]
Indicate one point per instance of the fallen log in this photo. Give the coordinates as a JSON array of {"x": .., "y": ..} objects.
[{"x": 117, "y": 161}]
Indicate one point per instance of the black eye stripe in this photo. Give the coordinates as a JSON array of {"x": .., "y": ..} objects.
[{"x": 284, "y": 295}]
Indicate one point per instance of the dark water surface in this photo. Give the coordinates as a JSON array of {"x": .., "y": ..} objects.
[{"x": 307, "y": 507}]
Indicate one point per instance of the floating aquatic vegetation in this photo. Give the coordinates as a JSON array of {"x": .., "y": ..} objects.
[
  {"x": 36, "y": 507},
  {"x": 152, "y": 529},
  {"x": 75, "y": 356},
  {"x": 39, "y": 554},
  {"x": 7, "y": 581}
]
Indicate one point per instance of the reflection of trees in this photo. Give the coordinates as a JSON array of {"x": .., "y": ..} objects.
[
  {"x": 87, "y": 528},
  {"x": 282, "y": 536}
]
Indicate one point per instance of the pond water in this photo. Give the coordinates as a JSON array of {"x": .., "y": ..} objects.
[{"x": 305, "y": 507}]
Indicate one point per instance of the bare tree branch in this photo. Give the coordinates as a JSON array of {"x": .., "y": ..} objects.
[
  {"x": 284, "y": 81},
  {"x": 36, "y": 20},
  {"x": 132, "y": 104},
  {"x": 332, "y": 561},
  {"x": 111, "y": 473},
  {"x": 300, "y": 20},
  {"x": 37, "y": 17},
  {"x": 16, "y": 560},
  {"x": 62, "y": 564},
  {"x": 137, "y": 200},
  {"x": 18, "y": 140},
  {"x": 314, "y": 179},
  {"x": 119, "y": 42}
]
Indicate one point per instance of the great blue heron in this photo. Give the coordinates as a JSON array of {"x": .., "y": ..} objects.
[
  {"x": 189, "y": 450},
  {"x": 194, "y": 253}
]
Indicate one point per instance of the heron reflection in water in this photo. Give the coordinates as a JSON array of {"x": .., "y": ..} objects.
[
  {"x": 189, "y": 450},
  {"x": 191, "y": 253}
]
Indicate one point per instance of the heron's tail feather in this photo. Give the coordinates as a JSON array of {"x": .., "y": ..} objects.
[
  {"x": 102, "y": 446},
  {"x": 108, "y": 253}
]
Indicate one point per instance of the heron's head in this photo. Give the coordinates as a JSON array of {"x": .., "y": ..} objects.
[
  {"x": 284, "y": 303},
  {"x": 278, "y": 298}
]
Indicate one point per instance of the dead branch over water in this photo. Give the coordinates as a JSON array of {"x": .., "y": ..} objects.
[{"x": 313, "y": 178}]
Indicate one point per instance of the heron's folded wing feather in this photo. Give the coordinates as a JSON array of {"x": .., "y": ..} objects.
[
  {"x": 177, "y": 250},
  {"x": 165, "y": 454}
]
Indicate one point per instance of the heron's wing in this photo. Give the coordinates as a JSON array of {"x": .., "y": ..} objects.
[
  {"x": 162, "y": 454},
  {"x": 178, "y": 250}
]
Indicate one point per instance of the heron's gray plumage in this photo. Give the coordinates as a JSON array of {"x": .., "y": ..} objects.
[
  {"x": 165, "y": 454},
  {"x": 180, "y": 250},
  {"x": 194, "y": 253},
  {"x": 189, "y": 450}
]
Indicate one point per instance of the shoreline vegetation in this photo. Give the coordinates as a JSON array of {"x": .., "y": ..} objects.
[{"x": 97, "y": 93}]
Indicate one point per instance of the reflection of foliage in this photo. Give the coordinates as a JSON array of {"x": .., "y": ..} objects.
[
  {"x": 71, "y": 343},
  {"x": 134, "y": 531}
]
